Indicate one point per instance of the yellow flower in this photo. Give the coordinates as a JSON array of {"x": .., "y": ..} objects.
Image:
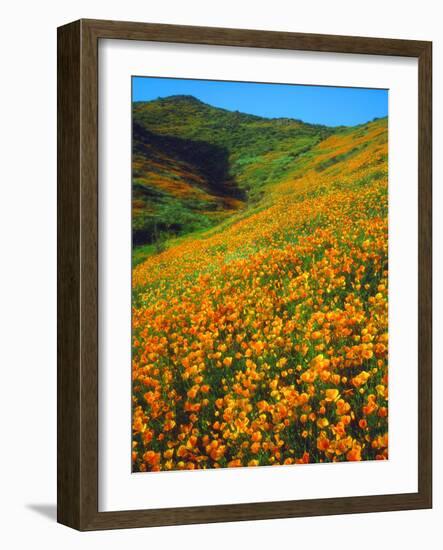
[
  {"x": 322, "y": 422},
  {"x": 332, "y": 395}
]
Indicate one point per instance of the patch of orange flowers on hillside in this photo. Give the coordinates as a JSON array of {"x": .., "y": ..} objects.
[{"x": 266, "y": 342}]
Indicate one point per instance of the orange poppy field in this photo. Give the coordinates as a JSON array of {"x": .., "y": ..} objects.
[{"x": 260, "y": 322}]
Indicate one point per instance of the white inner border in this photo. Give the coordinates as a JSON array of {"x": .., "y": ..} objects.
[{"x": 118, "y": 488}]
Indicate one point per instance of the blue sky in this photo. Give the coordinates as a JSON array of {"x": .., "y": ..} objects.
[{"x": 315, "y": 104}]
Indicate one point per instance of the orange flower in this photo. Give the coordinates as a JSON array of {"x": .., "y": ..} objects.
[
  {"x": 255, "y": 447},
  {"x": 256, "y": 436},
  {"x": 342, "y": 407},
  {"x": 151, "y": 457},
  {"x": 360, "y": 379},
  {"x": 322, "y": 443},
  {"x": 192, "y": 393},
  {"x": 354, "y": 454}
]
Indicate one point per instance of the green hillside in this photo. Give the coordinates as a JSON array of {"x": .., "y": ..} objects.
[{"x": 194, "y": 165}]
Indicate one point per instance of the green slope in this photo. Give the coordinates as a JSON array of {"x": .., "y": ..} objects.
[{"x": 194, "y": 165}]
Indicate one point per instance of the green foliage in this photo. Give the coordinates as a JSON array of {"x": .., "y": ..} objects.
[{"x": 169, "y": 218}]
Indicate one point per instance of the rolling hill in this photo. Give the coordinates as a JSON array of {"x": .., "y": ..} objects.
[{"x": 194, "y": 165}]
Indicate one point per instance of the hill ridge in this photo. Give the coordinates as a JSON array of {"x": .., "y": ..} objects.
[{"x": 192, "y": 100}]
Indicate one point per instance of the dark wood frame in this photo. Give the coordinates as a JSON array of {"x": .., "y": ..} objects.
[{"x": 77, "y": 480}]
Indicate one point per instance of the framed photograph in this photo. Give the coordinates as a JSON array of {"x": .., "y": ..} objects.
[{"x": 244, "y": 275}]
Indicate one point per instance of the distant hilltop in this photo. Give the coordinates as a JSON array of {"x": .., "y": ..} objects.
[
  {"x": 184, "y": 100},
  {"x": 181, "y": 97}
]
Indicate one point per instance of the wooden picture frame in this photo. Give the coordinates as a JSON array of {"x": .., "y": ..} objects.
[{"x": 78, "y": 274}]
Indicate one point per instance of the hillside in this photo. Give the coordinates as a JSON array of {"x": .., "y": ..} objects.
[
  {"x": 264, "y": 340},
  {"x": 194, "y": 165}
]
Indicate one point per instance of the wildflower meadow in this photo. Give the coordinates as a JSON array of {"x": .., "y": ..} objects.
[{"x": 260, "y": 324}]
